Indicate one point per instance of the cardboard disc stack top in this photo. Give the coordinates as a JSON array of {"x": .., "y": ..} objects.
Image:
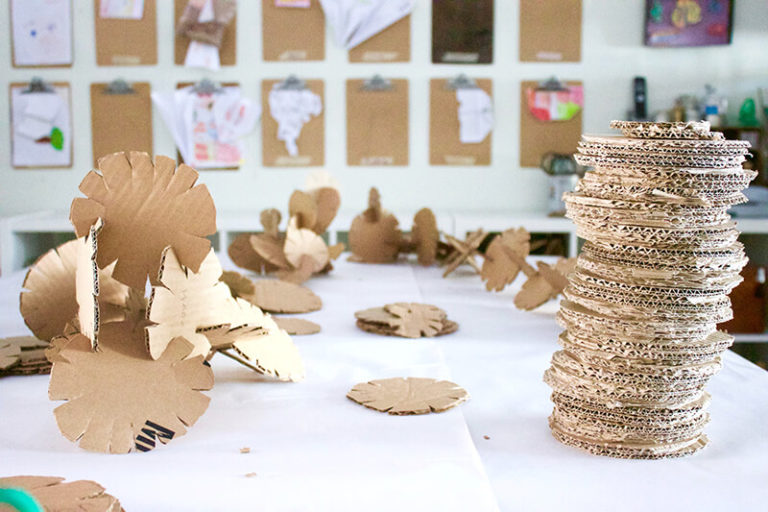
[{"x": 650, "y": 286}]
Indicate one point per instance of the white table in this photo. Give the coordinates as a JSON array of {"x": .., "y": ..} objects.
[{"x": 312, "y": 449}]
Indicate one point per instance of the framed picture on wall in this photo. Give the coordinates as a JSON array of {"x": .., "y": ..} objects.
[{"x": 681, "y": 23}]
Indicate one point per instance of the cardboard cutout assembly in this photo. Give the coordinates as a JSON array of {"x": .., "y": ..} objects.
[
  {"x": 642, "y": 305},
  {"x": 146, "y": 206},
  {"x": 121, "y": 400},
  {"x": 301, "y": 252},
  {"x": 425, "y": 237},
  {"x": 52, "y": 493},
  {"x": 408, "y": 320},
  {"x": 374, "y": 236},
  {"x": 463, "y": 252},
  {"x": 408, "y": 396}
]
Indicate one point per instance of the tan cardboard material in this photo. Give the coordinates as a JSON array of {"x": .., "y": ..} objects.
[
  {"x": 499, "y": 269},
  {"x": 464, "y": 251},
  {"x": 408, "y": 396},
  {"x": 152, "y": 202},
  {"x": 239, "y": 285},
  {"x": 425, "y": 236},
  {"x": 409, "y": 320},
  {"x": 271, "y": 353},
  {"x": 374, "y": 236},
  {"x": 301, "y": 243},
  {"x": 275, "y": 296},
  {"x": 296, "y": 326},
  {"x": 10, "y": 354},
  {"x": 87, "y": 285},
  {"x": 53, "y": 493},
  {"x": 118, "y": 398}
]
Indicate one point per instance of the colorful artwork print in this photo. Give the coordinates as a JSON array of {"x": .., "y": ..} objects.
[
  {"x": 688, "y": 22},
  {"x": 555, "y": 105}
]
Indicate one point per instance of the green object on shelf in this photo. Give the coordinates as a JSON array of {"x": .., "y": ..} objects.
[
  {"x": 748, "y": 113},
  {"x": 20, "y": 500},
  {"x": 57, "y": 139}
]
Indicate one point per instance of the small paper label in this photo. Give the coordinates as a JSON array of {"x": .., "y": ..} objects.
[
  {"x": 461, "y": 57},
  {"x": 460, "y": 160},
  {"x": 304, "y": 4},
  {"x": 549, "y": 55},
  {"x": 377, "y": 160},
  {"x": 293, "y": 55},
  {"x": 293, "y": 160},
  {"x": 380, "y": 56},
  {"x": 126, "y": 60}
]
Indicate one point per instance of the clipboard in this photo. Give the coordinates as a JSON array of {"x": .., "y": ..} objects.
[
  {"x": 26, "y": 86},
  {"x": 180, "y": 158},
  {"x": 227, "y": 51},
  {"x": 13, "y": 49},
  {"x": 126, "y": 42},
  {"x": 540, "y": 137},
  {"x": 311, "y": 141},
  {"x": 550, "y": 31},
  {"x": 291, "y": 33},
  {"x": 445, "y": 147},
  {"x": 377, "y": 122},
  {"x": 121, "y": 118},
  {"x": 462, "y": 32},
  {"x": 393, "y": 44}
]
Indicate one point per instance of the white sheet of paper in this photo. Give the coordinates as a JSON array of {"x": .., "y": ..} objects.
[
  {"x": 355, "y": 21},
  {"x": 292, "y": 109},
  {"x": 42, "y": 32},
  {"x": 45, "y": 107},
  {"x": 203, "y": 55},
  {"x": 122, "y": 9},
  {"x": 475, "y": 115},
  {"x": 26, "y": 130},
  {"x": 387, "y": 13}
]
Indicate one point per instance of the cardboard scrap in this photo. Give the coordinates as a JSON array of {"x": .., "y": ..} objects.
[
  {"x": 146, "y": 206},
  {"x": 239, "y": 285},
  {"x": 121, "y": 400},
  {"x": 270, "y": 352},
  {"x": 407, "y": 396},
  {"x": 408, "y": 320},
  {"x": 296, "y": 326},
  {"x": 275, "y": 296},
  {"x": 644, "y": 298},
  {"x": 24, "y": 355},
  {"x": 374, "y": 236},
  {"x": 10, "y": 354},
  {"x": 52, "y": 493}
]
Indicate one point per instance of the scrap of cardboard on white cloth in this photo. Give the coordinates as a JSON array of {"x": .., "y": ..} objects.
[
  {"x": 356, "y": 21},
  {"x": 475, "y": 115},
  {"x": 292, "y": 109}
]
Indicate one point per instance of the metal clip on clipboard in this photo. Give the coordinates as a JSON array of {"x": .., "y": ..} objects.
[
  {"x": 206, "y": 86},
  {"x": 460, "y": 82},
  {"x": 292, "y": 83},
  {"x": 552, "y": 85},
  {"x": 119, "y": 86},
  {"x": 38, "y": 85},
  {"x": 377, "y": 83}
]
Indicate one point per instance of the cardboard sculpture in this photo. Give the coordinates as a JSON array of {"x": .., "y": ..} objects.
[
  {"x": 505, "y": 259},
  {"x": 296, "y": 326},
  {"x": 464, "y": 251},
  {"x": 374, "y": 236},
  {"x": 425, "y": 237},
  {"x": 146, "y": 206},
  {"x": 301, "y": 252},
  {"x": 642, "y": 306},
  {"x": 53, "y": 493},
  {"x": 408, "y": 320},
  {"x": 407, "y": 396},
  {"x": 130, "y": 369}
]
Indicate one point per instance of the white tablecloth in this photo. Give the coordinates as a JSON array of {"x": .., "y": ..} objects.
[{"x": 312, "y": 449}]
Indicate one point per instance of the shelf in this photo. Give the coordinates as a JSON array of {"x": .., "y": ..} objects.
[{"x": 760, "y": 337}]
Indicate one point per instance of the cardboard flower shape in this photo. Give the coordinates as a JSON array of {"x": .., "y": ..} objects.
[
  {"x": 301, "y": 243},
  {"x": 328, "y": 201},
  {"x": 239, "y": 285},
  {"x": 275, "y": 296},
  {"x": 52, "y": 493},
  {"x": 501, "y": 264},
  {"x": 546, "y": 284},
  {"x": 145, "y": 207},
  {"x": 118, "y": 398},
  {"x": 403, "y": 396},
  {"x": 414, "y": 320},
  {"x": 49, "y": 298},
  {"x": 296, "y": 326},
  {"x": 268, "y": 351}
]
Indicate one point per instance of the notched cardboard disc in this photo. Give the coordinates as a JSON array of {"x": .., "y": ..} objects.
[
  {"x": 276, "y": 296},
  {"x": 501, "y": 267},
  {"x": 374, "y": 236},
  {"x": 425, "y": 236},
  {"x": 10, "y": 354},
  {"x": 146, "y": 206},
  {"x": 271, "y": 353},
  {"x": 407, "y": 396},
  {"x": 239, "y": 285},
  {"x": 408, "y": 320},
  {"x": 296, "y": 326},
  {"x": 54, "y": 494},
  {"x": 118, "y": 399}
]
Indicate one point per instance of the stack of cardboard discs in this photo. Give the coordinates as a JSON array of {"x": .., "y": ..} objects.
[{"x": 641, "y": 309}]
